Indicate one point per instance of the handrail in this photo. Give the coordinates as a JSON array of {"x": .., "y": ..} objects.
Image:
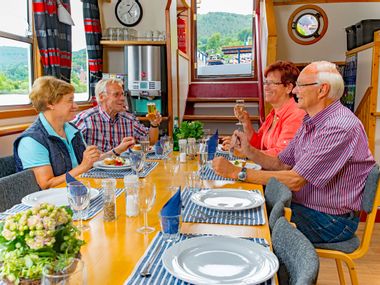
[{"x": 258, "y": 62}]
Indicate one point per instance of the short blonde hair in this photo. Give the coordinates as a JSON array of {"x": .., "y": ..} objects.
[{"x": 48, "y": 90}]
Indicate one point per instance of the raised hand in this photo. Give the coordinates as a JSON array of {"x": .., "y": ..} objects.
[
  {"x": 154, "y": 118},
  {"x": 90, "y": 155}
]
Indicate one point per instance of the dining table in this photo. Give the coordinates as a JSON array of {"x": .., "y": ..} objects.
[{"x": 113, "y": 248}]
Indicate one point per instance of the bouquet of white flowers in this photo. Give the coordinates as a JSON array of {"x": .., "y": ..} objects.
[{"x": 31, "y": 239}]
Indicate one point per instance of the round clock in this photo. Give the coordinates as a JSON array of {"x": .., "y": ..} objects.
[{"x": 128, "y": 12}]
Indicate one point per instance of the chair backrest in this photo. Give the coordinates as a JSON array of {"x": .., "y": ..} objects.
[
  {"x": 276, "y": 213},
  {"x": 296, "y": 253},
  {"x": 7, "y": 166},
  {"x": 15, "y": 186},
  {"x": 276, "y": 191}
]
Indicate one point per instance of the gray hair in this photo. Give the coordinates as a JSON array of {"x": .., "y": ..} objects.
[
  {"x": 101, "y": 86},
  {"x": 328, "y": 73}
]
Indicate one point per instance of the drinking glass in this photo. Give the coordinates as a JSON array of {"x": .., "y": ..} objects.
[
  {"x": 238, "y": 109},
  {"x": 78, "y": 193},
  {"x": 151, "y": 107},
  {"x": 170, "y": 227},
  {"x": 144, "y": 141},
  {"x": 73, "y": 274},
  {"x": 137, "y": 161},
  {"x": 203, "y": 157},
  {"x": 146, "y": 198}
]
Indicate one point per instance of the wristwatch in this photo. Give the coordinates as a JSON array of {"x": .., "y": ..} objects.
[{"x": 242, "y": 176}]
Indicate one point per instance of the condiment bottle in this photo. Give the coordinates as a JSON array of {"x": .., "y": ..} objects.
[
  {"x": 109, "y": 199},
  {"x": 131, "y": 185}
]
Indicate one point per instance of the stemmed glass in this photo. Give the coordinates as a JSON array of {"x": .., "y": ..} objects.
[
  {"x": 238, "y": 109},
  {"x": 146, "y": 198},
  {"x": 137, "y": 161},
  {"x": 163, "y": 144},
  {"x": 78, "y": 193},
  {"x": 144, "y": 142},
  {"x": 73, "y": 274}
]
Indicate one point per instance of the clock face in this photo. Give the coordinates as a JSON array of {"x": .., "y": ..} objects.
[{"x": 128, "y": 12}]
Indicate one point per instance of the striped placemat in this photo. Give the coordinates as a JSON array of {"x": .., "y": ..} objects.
[
  {"x": 193, "y": 213},
  {"x": 154, "y": 156},
  {"x": 226, "y": 155},
  {"x": 208, "y": 173},
  {"x": 96, "y": 205},
  {"x": 100, "y": 173},
  {"x": 159, "y": 275}
]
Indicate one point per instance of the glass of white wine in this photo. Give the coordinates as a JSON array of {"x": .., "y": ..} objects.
[
  {"x": 238, "y": 110},
  {"x": 146, "y": 198}
]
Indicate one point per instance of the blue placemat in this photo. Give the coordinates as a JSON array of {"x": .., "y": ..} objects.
[
  {"x": 96, "y": 205},
  {"x": 154, "y": 156},
  {"x": 191, "y": 214},
  {"x": 100, "y": 173},
  {"x": 159, "y": 274},
  {"x": 208, "y": 173},
  {"x": 225, "y": 155}
]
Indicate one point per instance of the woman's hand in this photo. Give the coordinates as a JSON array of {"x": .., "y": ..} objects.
[
  {"x": 225, "y": 168},
  {"x": 242, "y": 115},
  {"x": 126, "y": 143},
  {"x": 90, "y": 155},
  {"x": 241, "y": 145}
]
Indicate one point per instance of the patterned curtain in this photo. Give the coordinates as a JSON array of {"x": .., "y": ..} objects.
[
  {"x": 54, "y": 38},
  {"x": 93, "y": 36}
]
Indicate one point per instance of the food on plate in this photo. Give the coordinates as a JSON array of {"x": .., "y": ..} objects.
[
  {"x": 136, "y": 147},
  {"x": 115, "y": 160},
  {"x": 238, "y": 162}
]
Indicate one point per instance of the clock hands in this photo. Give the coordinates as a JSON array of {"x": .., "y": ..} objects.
[{"x": 131, "y": 9}]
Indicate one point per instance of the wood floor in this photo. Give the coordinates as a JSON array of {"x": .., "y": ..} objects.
[{"x": 368, "y": 267}]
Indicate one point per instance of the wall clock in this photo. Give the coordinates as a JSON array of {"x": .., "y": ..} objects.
[{"x": 128, "y": 12}]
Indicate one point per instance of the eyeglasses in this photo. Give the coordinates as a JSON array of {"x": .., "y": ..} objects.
[
  {"x": 306, "y": 84},
  {"x": 268, "y": 83}
]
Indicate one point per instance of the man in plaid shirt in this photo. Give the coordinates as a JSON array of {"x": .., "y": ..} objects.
[{"x": 109, "y": 126}]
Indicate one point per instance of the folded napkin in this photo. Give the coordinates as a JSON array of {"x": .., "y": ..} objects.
[
  {"x": 212, "y": 144},
  {"x": 77, "y": 191},
  {"x": 158, "y": 149},
  {"x": 171, "y": 209}
]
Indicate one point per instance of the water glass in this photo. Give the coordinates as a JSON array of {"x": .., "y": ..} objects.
[
  {"x": 137, "y": 161},
  {"x": 78, "y": 194},
  {"x": 194, "y": 181},
  {"x": 182, "y": 150},
  {"x": 145, "y": 143},
  {"x": 74, "y": 273},
  {"x": 170, "y": 227}
]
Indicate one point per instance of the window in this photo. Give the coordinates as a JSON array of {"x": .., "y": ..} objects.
[
  {"x": 225, "y": 43},
  {"x": 79, "y": 67},
  {"x": 16, "y": 72}
]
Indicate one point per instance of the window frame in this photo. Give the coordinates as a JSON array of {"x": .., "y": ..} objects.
[
  {"x": 26, "y": 110},
  {"x": 220, "y": 78}
]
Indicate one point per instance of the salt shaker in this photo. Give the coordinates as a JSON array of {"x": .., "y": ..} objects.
[
  {"x": 131, "y": 185},
  {"x": 109, "y": 199},
  {"x": 182, "y": 150}
]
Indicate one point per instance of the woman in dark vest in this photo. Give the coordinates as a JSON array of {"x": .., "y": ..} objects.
[{"x": 52, "y": 146}]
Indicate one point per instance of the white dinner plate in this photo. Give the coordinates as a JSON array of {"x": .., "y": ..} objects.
[
  {"x": 100, "y": 165},
  {"x": 249, "y": 165},
  {"x": 221, "y": 150},
  {"x": 55, "y": 196},
  {"x": 228, "y": 199},
  {"x": 220, "y": 260}
]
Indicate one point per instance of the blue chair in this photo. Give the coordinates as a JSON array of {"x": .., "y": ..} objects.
[
  {"x": 299, "y": 263},
  {"x": 355, "y": 248}
]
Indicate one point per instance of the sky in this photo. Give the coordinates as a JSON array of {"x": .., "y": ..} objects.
[
  {"x": 11, "y": 13},
  {"x": 243, "y": 7}
]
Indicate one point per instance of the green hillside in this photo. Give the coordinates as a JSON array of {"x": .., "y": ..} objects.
[{"x": 12, "y": 55}]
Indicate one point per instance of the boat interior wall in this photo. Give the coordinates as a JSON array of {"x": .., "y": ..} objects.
[{"x": 332, "y": 46}]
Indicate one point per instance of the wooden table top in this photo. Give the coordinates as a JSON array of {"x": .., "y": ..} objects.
[{"x": 113, "y": 248}]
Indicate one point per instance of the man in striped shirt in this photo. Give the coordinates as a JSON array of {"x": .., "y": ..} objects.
[
  {"x": 325, "y": 165},
  {"x": 109, "y": 126}
]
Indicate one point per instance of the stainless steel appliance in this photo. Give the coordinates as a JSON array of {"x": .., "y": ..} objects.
[{"x": 147, "y": 77}]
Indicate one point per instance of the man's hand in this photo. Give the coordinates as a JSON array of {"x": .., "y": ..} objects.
[
  {"x": 241, "y": 143},
  {"x": 90, "y": 155},
  {"x": 126, "y": 143},
  {"x": 226, "y": 143},
  {"x": 154, "y": 119},
  {"x": 225, "y": 168}
]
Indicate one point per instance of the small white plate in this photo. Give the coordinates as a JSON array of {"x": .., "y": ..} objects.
[
  {"x": 100, "y": 165},
  {"x": 220, "y": 260},
  {"x": 249, "y": 165},
  {"x": 227, "y": 199},
  {"x": 55, "y": 196}
]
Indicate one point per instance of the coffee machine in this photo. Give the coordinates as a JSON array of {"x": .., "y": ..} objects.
[{"x": 147, "y": 78}]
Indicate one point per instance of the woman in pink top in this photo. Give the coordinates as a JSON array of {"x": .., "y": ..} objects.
[{"x": 283, "y": 121}]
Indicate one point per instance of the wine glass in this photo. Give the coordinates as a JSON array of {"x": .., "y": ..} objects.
[
  {"x": 238, "y": 109},
  {"x": 145, "y": 143},
  {"x": 74, "y": 273},
  {"x": 137, "y": 161},
  {"x": 146, "y": 198},
  {"x": 78, "y": 193}
]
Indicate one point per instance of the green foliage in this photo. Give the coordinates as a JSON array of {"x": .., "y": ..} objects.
[{"x": 191, "y": 130}]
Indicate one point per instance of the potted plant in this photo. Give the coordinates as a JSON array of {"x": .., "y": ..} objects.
[
  {"x": 34, "y": 238},
  {"x": 192, "y": 129}
]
